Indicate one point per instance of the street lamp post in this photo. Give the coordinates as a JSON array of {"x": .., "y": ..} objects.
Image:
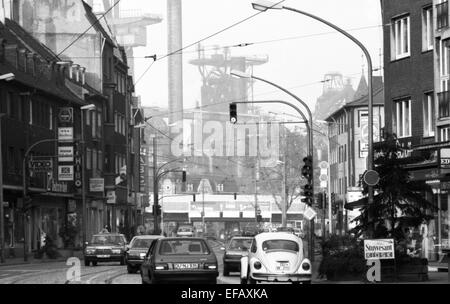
[
  {"x": 266, "y": 5},
  {"x": 2, "y": 216},
  {"x": 88, "y": 108}
]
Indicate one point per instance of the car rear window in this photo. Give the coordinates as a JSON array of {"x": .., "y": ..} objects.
[
  {"x": 187, "y": 229},
  {"x": 142, "y": 243},
  {"x": 183, "y": 247},
  {"x": 108, "y": 239},
  {"x": 280, "y": 245},
  {"x": 240, "y": 244}
]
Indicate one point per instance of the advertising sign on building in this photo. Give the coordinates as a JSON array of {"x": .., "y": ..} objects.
[
  {"x": 364, "y": 136},
  {"x": 445, "y": 158},
  {"x": 65, "y": 134},
  {"x": 65, "y": 173},
  {"x": 382, "y": 249},
  {"x": 41, "y": 166},
  {"x": 97, "y": 185},
  {"x": 111, "y": 197},
  {"x": 65, "y": 154}
]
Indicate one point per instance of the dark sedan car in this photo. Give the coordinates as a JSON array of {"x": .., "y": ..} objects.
[
  {"x": 137, "y": 250},
  {"x": 236, "y": 248},
  {"x": 176, "y": 260},
  {"x": 107, "y": 247}
]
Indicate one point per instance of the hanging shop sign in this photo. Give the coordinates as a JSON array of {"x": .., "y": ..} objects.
[
  {"x": 65, "y": 134},
  {"x": 66, "y": 115},
  {"x": 65, "y": 154},
  {"x": 65, "y": 173},
  {"x": 41, "y": 166},
  {"x": 445, "y": 158},
  {"x": 97, "y": 185}
]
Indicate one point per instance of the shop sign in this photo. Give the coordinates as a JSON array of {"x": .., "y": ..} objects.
[
  {"x": 382, "y": 249},
  {"x": 59, "y": 187},
  {"x": 65, "y": 134},
  {"x": 111, "y": 197},
  {"x": 72, "y": 206},
  {"x": 65, "y": 154},
  {"x": 65, "y": 173},
  {"x": 445, "y": 158},
  {"x": 5, "y": 204},
  {"x": 97, "y": 185},
  {"x": 66, "y": 115},
  {"x": 41, "y": 166}
]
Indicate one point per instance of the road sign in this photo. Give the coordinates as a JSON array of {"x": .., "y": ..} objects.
[
  {"x": 309, "y": 213},
  {"x": 371, "y": 178},
  {"x": 324, "y": 165},
  {"x": 41, "y": 166}
]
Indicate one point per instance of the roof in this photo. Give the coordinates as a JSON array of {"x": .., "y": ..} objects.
[
  {"x": 95, "y": 22},
  {"x": 14, "y": 34},
  {"x": 265, "y": 236},
  {"x": 378, "y": 100}
]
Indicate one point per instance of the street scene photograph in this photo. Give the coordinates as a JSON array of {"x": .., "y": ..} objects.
[{"x": 242, "y": 142}]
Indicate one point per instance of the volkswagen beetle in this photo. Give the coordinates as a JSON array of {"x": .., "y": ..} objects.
[{"x": 276, "y": 257}]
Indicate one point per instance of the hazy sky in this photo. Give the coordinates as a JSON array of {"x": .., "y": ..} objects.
[{"x": 297, "y": 64}]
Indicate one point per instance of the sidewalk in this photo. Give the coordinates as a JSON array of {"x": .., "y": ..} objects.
[{"x": 32, "y": 260}]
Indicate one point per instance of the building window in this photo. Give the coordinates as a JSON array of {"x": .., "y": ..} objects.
[
  {"x": 444, "y": 133},
  {"x": 402, "y": 121},
  {"x": 31, "y": 112},
  {"x": 442, "y": 15},
  {"x": 190, "y": 188},
  {"x": 219, "y": 187},
  {"x": 427, "y": 29},
  {"x": 88, "y": 159},
  {"x": 444, "y": 54},
  {"x": 400, "y": 41},
  {"x": 429, "y": 121},
  {"x": 444, "y": 104},
  {"x": 50, "y": 116},
  {"x": 94, "y": 159}
]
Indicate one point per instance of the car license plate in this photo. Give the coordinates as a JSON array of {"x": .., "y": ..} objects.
[
  {"x": 103, "y": 256},
  {"x": 283, "y": 266},
  {"x": 186, "y": 266}
]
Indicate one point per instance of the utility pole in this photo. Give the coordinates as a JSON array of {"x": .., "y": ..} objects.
[
  {"x": 155, "y": 187},
  {"x": 2, "y": 216}
]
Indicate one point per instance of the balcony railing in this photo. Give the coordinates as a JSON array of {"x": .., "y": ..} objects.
[
  {"x": 442, "y": 15},
  {"x": 444, "y": 104}
]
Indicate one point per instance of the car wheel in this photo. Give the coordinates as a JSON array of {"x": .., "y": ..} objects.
[
  {"x": 130, "y": 269},
  {"x": 87, "y": 262},
  {"x": 94, "y": 264}
]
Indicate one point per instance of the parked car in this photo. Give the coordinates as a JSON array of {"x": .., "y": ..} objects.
[
  {"x": 180, "y": 260},
  {"x": 276, "y": 257},
  {"x": 137, "y": 250},
  {"x": 184, "y": 231},
  {"x": 105, "y": 247},
  {"x": 236, "y": 249}
]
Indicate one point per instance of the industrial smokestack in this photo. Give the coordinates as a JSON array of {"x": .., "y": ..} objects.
[{"x": 175, "y": 61}]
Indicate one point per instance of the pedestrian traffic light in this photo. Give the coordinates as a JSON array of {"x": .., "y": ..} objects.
[
  {"x": 184, "y": 177},
  {"x": 307, "y": 170},
  {"x": 235, "y": 196},
  {"x": 157, "y": 210},
  {"x": 193, "y": 197},
  {"x": 233, "y": 113},
  {"x": 259, "y": 218},
  {"x": 335, "y": 208}
]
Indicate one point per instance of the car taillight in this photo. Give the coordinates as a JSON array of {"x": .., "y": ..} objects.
[
  {"x": 257, "y": 265},
  {"x": 161, "y": 267},
  {"x": 306, "y": 266}
]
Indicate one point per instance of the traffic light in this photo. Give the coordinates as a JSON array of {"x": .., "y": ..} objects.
[
  {"x": 184, "y": 177},
  {"x": 259, "y": 218},
  {"x": 233, "y": 113},
  {"x": 320, "y": 200},
  {"x": 235, "y": 196},
  {"x": 157, "y": 210},
  {"x": 334, "y": 206},
  {"x": 307, "y": 170},
  {"x": 308, "y": 194}
]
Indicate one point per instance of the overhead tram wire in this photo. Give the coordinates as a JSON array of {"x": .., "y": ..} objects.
[
  {"x": 203, "y": 39},
  {"x": 92, "y": 25}
]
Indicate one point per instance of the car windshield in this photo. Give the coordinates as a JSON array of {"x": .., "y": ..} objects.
[
  {"x": 272, "y": 245},
  {"x": 108, "y": 239},
  {"x": 183, "y": 247},
  {"x": 240, "y": 244},
  {"x": 142, "y": 243}
]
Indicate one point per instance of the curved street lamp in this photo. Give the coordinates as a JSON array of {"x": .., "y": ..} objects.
[{"x": 264, "y": 5}]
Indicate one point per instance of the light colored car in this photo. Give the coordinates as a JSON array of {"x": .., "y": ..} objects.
[
  {"x": 276, "y": 257},
  {"x": 185, "y": 231}
]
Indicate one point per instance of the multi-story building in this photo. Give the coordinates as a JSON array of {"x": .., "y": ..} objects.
[
  {"x": 416, "y": 100},
  {"x": 33, "y": 103},
  {"x": 348, "y": 147}
]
